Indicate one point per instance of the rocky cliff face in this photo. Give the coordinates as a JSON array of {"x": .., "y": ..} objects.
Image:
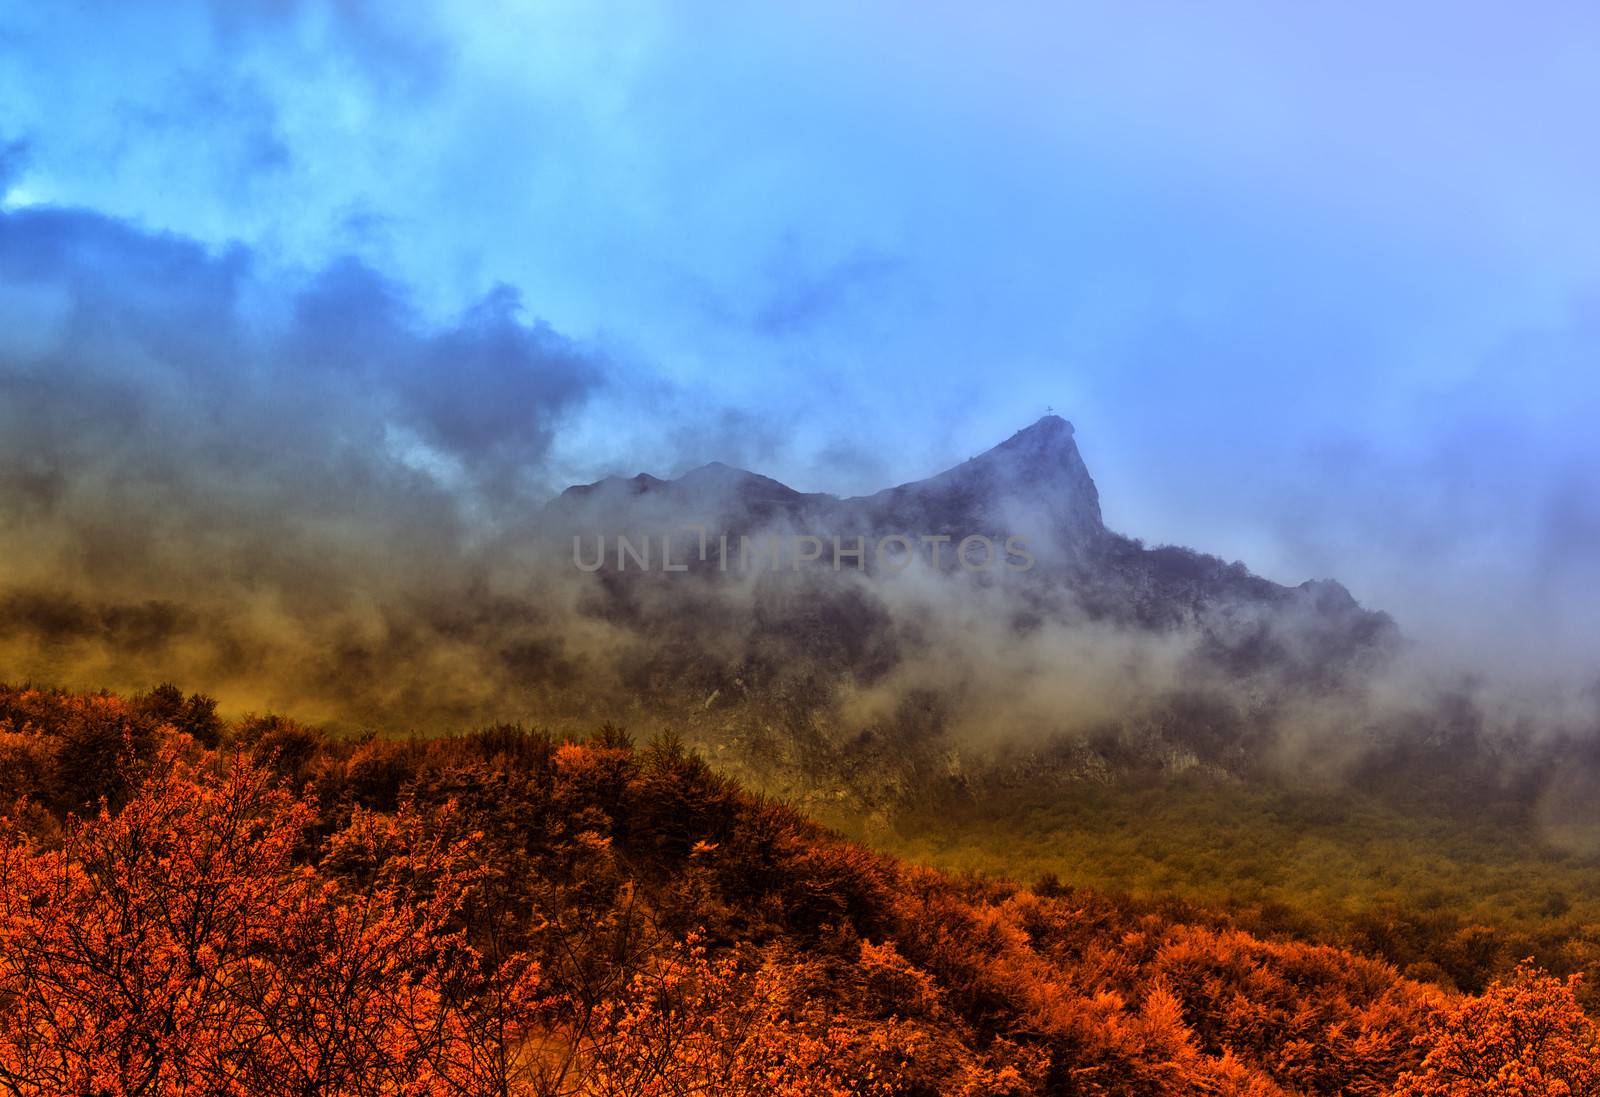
[
  {"x": 1128, "y": 655},
  {"x": 1034, "y": 487}
]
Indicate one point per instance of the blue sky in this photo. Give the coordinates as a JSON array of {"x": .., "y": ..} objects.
[{"x": 1318, "y": 286}]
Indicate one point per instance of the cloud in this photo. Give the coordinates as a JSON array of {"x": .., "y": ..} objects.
[
  {"x": 297, "y": 493},
  {"x": 805, "y": 297},
  {"x": 207, "y": 467},
  {"x": 1473, "y": 515},
  {"x": 200, "y": 354},
  {"x": 13, "y": 156}
]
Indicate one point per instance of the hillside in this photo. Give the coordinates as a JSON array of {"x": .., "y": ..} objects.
[
  {"x": 987, "y": 613},
  {"x": 255, "y": 908},
  {"x": 792, "y": 673}
]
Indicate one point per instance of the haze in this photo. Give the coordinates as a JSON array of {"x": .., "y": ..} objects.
[{"x": 1318, "y": 298}]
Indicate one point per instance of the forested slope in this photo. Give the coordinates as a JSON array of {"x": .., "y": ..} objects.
[{"x": 193, "y": 906}]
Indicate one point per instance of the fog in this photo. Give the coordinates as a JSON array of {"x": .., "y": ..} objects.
[{"x": 291, "y": 491}]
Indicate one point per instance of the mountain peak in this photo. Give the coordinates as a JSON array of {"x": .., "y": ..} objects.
[
  {"x": 1046, "y": 425},
  {"x": 1043, "y": 452},
  {"x": 1051, "y": 434},
  {"x": 1034, "y": 484},
  {"x": 719, "y": 477}
]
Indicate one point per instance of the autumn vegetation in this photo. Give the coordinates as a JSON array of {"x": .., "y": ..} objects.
[
  {"x": 194, "y": 906},
  {"x": 1454, "y": 895}
]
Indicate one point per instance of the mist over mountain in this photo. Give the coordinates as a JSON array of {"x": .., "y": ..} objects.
[
  {"x": 985, "y": 604},
  {"x": 1026, "y": 512},
  {"x": 352, "y": 525}
]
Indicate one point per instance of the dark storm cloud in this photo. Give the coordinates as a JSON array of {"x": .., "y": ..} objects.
[
  {"x": 207, "y": 469},
  {"x": 193, "y": 353},
  {"x": 487, "y": 390}
]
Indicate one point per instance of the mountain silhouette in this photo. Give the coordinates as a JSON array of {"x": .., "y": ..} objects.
[
  {"x": 1035, "y": 484},
  {"x": 1035, "y": 487}
]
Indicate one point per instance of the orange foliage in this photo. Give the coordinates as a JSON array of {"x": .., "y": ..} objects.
[
  {"x": 1523, "y": 1037},
  {"x": 269, "y": 911},
  {"x": 176, "y": 947},
  {"x": 691, "y": 1024}
]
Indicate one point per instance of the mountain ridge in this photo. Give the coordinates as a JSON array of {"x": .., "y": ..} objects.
[
  {"x": 1103, "y": 656},
  {"x": 1036, "y": 440},
  {"x": 1034, "y": 484}
]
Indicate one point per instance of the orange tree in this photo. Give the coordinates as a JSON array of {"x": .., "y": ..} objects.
[
  {"x": 176, "y": 946},
  {"x": 1523, "y": 1037}
]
